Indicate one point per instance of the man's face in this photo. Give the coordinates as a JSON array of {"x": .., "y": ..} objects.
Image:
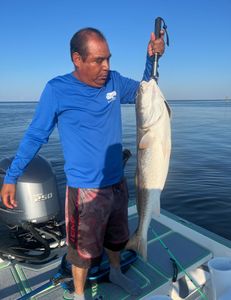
[{"x": 94, "y": 69}]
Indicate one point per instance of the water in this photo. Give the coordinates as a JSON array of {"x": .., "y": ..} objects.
[{"x": 198, "y": 185}]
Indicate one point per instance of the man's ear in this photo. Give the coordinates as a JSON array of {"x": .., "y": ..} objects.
[{"x": 76, "y": 58}]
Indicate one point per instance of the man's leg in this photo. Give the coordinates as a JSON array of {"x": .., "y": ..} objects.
[
  {"x": 117, "y": 277},
  {"x": 114, "y": 258},
  {"x": 116, "y": 237},
  {"x": 87, "y": 212},
  {"x": 79, "y": 277}
]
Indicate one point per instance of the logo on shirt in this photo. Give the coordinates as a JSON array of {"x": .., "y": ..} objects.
[{"x": 111, "y": 96}]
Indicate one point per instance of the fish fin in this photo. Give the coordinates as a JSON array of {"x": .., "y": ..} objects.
[
  {"x": 146, "y": 141},
  {"x": 168, "y": 109}
]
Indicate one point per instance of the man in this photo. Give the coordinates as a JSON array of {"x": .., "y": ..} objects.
[{"x": 85, "y": 105}]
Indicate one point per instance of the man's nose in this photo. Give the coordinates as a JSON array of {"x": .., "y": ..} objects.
[{"x": 106, "y": 64}]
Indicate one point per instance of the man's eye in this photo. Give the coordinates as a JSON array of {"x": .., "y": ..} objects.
[{"x": 99, "y": 60}]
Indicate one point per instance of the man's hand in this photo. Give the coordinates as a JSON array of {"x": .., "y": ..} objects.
[
  {"x": 8, "y": 195},
  {"x": 156, "y": 45}
]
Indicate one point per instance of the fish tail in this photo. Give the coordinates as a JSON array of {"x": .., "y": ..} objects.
[{"x": 138, "y": 244}]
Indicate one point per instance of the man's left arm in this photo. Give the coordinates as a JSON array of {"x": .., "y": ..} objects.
[
  {"x": 154, "y": 46},
  {"x": 130, "y": 86}
]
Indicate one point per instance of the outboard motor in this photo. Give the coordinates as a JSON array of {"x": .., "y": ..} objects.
[
  {"x": 36, "y": 194},
  {"x": 34, "y": 221}
]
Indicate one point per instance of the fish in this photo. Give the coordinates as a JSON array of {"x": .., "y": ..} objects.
[{"x": 153, "y": 127}]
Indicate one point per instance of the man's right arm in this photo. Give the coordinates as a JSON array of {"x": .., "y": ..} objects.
[{"x": 37, "y": 134}]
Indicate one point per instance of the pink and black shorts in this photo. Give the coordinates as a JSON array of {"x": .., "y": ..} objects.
[{"x": 95, "y": 218}]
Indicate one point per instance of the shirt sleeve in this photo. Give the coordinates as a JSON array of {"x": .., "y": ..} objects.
[
  {"x": 37, "y": 134},
  {"x": 129, "y": 87},
  {"x": 148, "y": 68}
]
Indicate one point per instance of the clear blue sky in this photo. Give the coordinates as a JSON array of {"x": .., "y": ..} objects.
[{"x": 34, "y": 43}]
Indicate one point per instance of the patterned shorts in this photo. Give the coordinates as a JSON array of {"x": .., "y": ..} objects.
[{"x": 95, "y": 218}]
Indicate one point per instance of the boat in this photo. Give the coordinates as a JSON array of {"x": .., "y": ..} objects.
[
  {"x": 170, "y": 239},
  {"x": 178, "y": 266}
]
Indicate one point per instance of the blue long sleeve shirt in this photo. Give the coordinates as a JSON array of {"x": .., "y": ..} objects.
[{"x": 89, "y": 125}]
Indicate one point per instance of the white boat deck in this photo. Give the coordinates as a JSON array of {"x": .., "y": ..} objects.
[{"x": 154, "y": 276}]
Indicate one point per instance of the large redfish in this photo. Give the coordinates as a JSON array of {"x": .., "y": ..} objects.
[{"x": 153, "y": 154}]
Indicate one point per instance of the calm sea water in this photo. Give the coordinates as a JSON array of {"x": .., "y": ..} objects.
[{"x": 198, "y": 186}]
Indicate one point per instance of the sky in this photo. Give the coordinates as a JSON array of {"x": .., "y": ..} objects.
[{"x": 35, "y": 36}]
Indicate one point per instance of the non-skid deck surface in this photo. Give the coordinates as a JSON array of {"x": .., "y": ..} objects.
[{"x": 156, "y": 274}]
